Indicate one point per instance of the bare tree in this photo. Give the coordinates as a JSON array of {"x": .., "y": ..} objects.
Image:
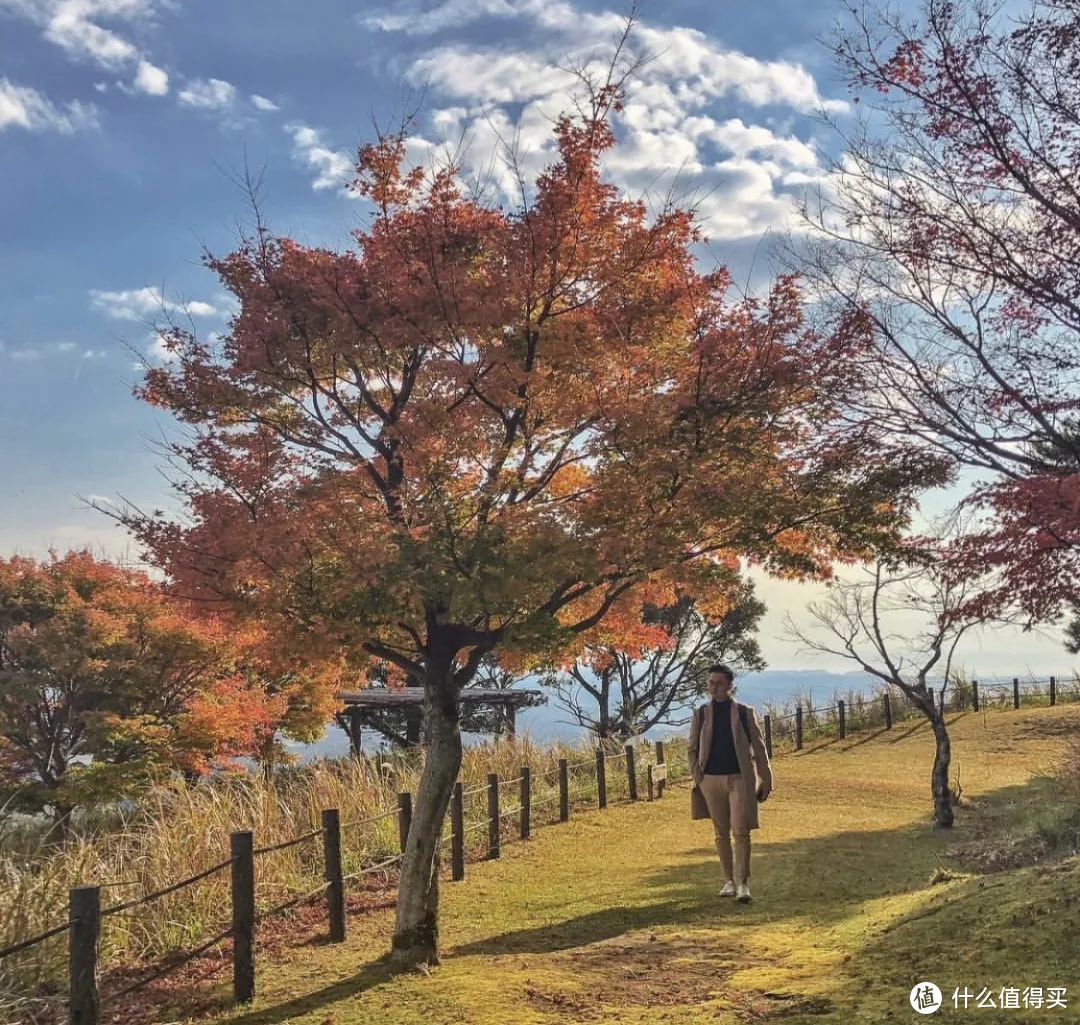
[
  {"x": 902, "y": 623},
  {"x": 617, "y": 694}
]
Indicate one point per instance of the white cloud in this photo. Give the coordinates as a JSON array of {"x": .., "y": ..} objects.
[
  {"x": 333, "y": 168},
  {"x": 262, "y": 103},
  {"x": 65, "y": 346},
  {"x": 208, "y": 94},
  {"x": 86, "y": 30},
  {"x": 25, "y": 355},
  {"x": 158, "y": 350},
  {"x": 151, "y": 80},
  {"x": 23, "y": 107},
  {"x": 141, "y": 303},
  {"x": 688, "y": 113}
]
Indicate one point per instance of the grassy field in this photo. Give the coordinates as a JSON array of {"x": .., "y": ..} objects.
[{"x": 615, "y": 917}]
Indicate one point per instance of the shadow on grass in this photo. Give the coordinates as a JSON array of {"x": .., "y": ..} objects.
[{"x": 373, "y": 974}]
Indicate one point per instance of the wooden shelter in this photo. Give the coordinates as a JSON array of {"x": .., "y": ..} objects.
[{"x": 361, "y": 704}]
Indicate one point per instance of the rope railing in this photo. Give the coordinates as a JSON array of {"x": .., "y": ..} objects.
[
  {"x": 33, "y": 941},
  {"x": 177, "y": 962},
  {"x": 371, "y": 818},
  {"x": 291, "y": 902},
  {"x": 135, "y": 902},
  {"x": 285, "y": 844},
  {"x": 373, "y": 868}
]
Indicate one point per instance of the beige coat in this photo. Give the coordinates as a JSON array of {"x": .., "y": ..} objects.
[{"x": 753, "y": 758}]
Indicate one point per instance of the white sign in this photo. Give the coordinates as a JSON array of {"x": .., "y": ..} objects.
[{"x": 659, "y": 772}]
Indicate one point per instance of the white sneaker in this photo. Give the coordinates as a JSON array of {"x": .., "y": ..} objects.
[
  {"x": 742, "y": 893},
  {"x": 728, "y": 889}
]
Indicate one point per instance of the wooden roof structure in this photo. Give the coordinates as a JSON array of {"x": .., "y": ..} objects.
[
  {"x": 402, "y": 697},
  {"x": 362, "y": 708}
]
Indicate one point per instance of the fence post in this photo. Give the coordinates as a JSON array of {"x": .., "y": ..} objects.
[
  {"x": 335, "y": 885},
  {"x": 975, "y": 695},
  {"x": 631, "y": 772},
  {"x": 601, "y": 778},
  {"x": 404, "y": 803},
  {"x": 660, "y": 761},
  {"x": 798, "y": 727},
  {"x": 493, "y": 815},
  {"x": 1016, "y": 692},
  {"x": 84, "y": 913},
  {"x": 241, "y": 847},
  {"x": 843, "y": 719},
  {"x": 652, "y": 787},
  {"x": 564, "y": 791},
  {"x": 768, "y": 734},
  {"x": 1053, "y": 691},
  {"x": 886, "y": 704},
  {"x": 526, "y": 801},
  {"x": 457, "y": 837}
]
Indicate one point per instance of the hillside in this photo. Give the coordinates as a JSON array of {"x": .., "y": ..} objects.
[{"x": 615, "y": 917}]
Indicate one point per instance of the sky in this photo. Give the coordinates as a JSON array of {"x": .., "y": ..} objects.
[{"x": 126, "y": 124}]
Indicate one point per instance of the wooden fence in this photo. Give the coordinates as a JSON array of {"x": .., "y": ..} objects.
[
  {"x": 86, "y": 914},
  {"x": 796, "y": 728}
]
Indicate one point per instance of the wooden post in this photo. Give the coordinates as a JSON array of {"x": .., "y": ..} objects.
[
  {"x": 526, "y": 801},
  {"x": 843, "y": 719},
  {"x": 1053, "y": 691},
  {"x": 335, "y": 885},
  {"x": 652, "y": 789},
  {"x": 886, "y": 704},
  {"x": 601, "y": 779},
  {"x": 1016, "y": 693},
  {"x": 84, "y": 914},
  {"x": 241, "y": 846},
  {"x": 631, "y": 772},
  {"x": 493, "y": 815},
  {"x": 661, "y": 783},
  {"x": 768, "y": 734},
  {"x": 457, "y": 839},
  {"x": 404, "y": 803},
  {"x": 975, "y": 694},
  {"x": 564, "y": 791},
  {"x": 798, "y": 727}
]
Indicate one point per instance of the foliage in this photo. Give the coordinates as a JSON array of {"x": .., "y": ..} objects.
[
  {"x": 106, "y": 682},
  {"x": 619, "y": 690},
  {"x": 952, "y": 225}
]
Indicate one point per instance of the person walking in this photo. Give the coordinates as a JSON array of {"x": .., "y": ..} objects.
[{"x": 732, "y": 775}]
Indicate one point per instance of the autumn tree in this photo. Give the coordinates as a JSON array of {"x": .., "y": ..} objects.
[
  {"x": 623, "y": 685},
  {"x": 104, "y": 682},
  {"x": 480, "y": 428},
  {"x": 951, "y": 223}
]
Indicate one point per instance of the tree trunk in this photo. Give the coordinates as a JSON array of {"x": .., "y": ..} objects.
[
  {"x": 939, "y": 776},
  {"x": 416, "y": 931}
]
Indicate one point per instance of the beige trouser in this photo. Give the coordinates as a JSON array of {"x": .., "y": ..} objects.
[{"x": 726, "y": 799}]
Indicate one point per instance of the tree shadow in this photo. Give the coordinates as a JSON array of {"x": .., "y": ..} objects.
[
  {"x": 827, "y": 878},
  {"x": 373, "y": 974}
]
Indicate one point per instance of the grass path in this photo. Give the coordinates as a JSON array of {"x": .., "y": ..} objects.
[{"x": 615, "y": 917}]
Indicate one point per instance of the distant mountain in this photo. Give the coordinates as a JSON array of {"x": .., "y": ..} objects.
[{"x": 550, "y": 722}]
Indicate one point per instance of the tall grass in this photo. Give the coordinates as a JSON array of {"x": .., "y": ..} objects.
[{"x": 181, "y": 829}]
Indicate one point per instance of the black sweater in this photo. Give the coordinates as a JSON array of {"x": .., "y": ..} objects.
[{"x": 722, "y": 756}]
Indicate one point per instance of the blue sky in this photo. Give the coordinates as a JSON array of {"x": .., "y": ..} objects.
[{"x": 123, "y": 123}]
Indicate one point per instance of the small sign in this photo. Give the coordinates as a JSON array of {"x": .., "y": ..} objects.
[{"x": 659, "y": 772}]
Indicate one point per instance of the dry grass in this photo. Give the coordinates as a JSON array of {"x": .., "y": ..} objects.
[{"x": 180, "y": 830}]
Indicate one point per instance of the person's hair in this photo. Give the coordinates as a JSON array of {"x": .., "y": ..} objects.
[{"x": 726, "y": 670}]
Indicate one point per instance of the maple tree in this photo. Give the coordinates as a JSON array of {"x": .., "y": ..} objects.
[
  {"x": 952, "y": 224},
  {"x": 479, "y": 430},
  {"x": 105, "y": 682},
  {"x": 632, "y": 677}
]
